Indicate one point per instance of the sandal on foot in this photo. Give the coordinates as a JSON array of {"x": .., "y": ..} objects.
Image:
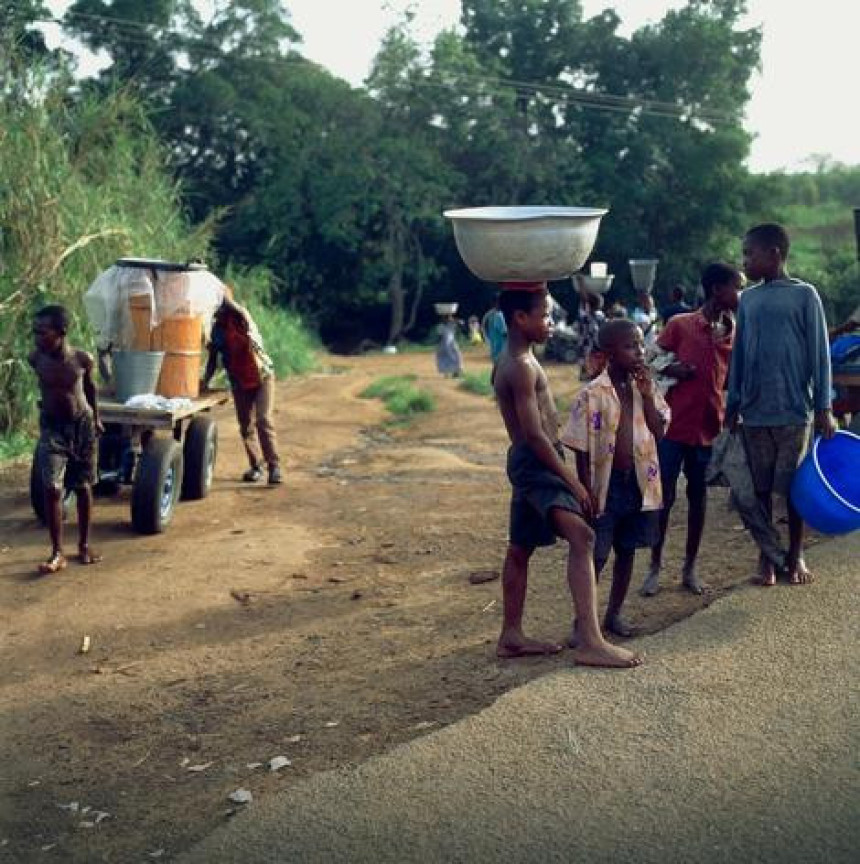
[
  {"x": 54, "y": 564},
  {"x": 252, "y": 475}
]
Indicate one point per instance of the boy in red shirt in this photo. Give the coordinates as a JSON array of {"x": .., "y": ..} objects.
[
  {"x": 702, "y": 343},
  {"x": 237, "y": 341}
]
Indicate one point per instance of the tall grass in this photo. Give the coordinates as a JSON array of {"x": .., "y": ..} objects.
[
  {"x": 289, "y": 342},
  {"x": 83, "y": 183}
]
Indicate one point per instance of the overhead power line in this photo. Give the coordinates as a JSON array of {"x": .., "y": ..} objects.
[{"x": 141, "y": 33}]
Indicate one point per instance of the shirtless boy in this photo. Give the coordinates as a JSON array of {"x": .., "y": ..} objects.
[
  {"x": 548, "y": 499},
  {"x": 68, "y": 422}
]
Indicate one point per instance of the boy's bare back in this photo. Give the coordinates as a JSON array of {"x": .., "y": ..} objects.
[
  {"x": 518, "y": 379},
  {"x": 61, "y": 382}
]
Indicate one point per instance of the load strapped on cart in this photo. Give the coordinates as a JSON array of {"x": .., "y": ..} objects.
[{"x": 151, "y": 319}]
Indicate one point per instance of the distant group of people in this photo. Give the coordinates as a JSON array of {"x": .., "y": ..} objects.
[{"x": 755, "y": 363}]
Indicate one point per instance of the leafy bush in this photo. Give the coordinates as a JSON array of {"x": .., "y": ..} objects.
[
  {"x": 400, "y": 395},
  {"x": 477, "y": 383},
  {"x": 17, "y": 444},
  {"x": 291, "y": 345}
]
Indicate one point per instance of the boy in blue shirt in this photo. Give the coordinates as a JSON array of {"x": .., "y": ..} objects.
[{"x": 778, "y": 379}]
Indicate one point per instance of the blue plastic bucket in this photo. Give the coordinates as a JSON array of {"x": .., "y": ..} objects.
[
  {"x": 135, "y": 373},
  {"x": 826, "y": 487}
]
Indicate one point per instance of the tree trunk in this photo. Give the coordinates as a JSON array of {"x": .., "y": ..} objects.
[
  {"x": 419, "y": 283},
  {"x": 396, "y": 254}
]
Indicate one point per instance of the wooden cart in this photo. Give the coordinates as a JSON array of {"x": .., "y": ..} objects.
[
  {"x": 849, "y": 401},
  {"x": 160, "y": 468}
]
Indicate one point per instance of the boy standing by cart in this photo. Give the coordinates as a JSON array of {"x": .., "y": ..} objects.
[
  {"x": 237, "y": 341},
  {"x": 548, "y": 499},
  {"x": 68, "y": 426}
]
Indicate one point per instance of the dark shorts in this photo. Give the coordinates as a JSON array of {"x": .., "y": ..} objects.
[
  {"x": 536, "y": 491},
  {"x": 675, "y": 457},
  {"x": 66, "y": 452},
  {"x": 774, "y": 453},
  {"x": 624, "y": 526}
]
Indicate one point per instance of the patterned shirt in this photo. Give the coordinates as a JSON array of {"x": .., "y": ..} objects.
[{"x": 593, "y": 428}]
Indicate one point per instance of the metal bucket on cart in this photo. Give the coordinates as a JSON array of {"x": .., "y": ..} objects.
[{"x": 135, "y": 372}]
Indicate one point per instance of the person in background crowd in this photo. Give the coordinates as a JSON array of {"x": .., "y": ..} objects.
[
  {"x": 645, "y": 316},
  {"x": 495, "y": 331},
  {"x": 449, "y": 359},
  {"x": 848, "y": 326},
  {"x": 677, "y": 304}
]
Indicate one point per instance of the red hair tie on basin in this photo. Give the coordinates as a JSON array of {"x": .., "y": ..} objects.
[{"x": 523, "y": 286}]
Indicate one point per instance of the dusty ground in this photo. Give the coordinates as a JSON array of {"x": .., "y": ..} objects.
[{"x": 325, "y": 620}]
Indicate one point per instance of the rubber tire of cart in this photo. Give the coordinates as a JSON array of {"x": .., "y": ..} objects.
[
  {"x": 156, "y": 487},
  {"x": 37, "y": 495},
  {"x": 201, "y": 450}
]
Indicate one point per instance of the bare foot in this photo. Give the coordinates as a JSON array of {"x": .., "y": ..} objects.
[
  {"x": 766, "y": 575},
  {"x": 521, "y": 646},
  {"x": 691, "y": 581},
  {"x": 88, "y": 556},
  {"x": 54, "y": 564},
  {"x": 800, "y": 574},
  {"x": 651, "y": 585},
  {"x": 606, "y": 655}
]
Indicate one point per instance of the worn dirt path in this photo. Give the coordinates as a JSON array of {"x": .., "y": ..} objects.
[
  {"x": 355, "y": 629},
  {"x": 737, "y": 741}
]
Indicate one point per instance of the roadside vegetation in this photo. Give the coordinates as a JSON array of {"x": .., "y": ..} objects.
[
  {"x": 477, "y": 383},
  {"x": 84, "y": 183},
  {"x": 402, "y": 397}
]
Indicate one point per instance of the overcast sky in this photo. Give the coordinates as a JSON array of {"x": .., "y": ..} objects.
[{"x": 794, "y": 113}]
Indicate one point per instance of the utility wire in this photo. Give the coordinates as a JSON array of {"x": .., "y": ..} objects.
[{"x": 140, "y": 33}]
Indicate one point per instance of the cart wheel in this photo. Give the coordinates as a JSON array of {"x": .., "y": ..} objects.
[
  {"x": 156, "y": 486},
  {"x": 201, "y": 449},
  {"x": 37, "y": 494}
]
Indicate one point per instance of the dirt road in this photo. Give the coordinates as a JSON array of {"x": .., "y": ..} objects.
[{"x": 324, "y": 620}]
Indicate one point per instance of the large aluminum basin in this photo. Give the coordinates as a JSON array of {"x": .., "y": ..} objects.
[{"x": 524, "y": 244}]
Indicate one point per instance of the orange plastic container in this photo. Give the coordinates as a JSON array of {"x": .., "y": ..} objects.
[
  {"x": 140, "y": 307},
  {"x": 181, "y": 339}
]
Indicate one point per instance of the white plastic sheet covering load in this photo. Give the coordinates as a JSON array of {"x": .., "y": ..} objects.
[{"x": 171, "y": 293}]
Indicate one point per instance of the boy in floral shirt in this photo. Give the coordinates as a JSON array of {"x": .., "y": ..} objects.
[{"x": 615, "y": 423}]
